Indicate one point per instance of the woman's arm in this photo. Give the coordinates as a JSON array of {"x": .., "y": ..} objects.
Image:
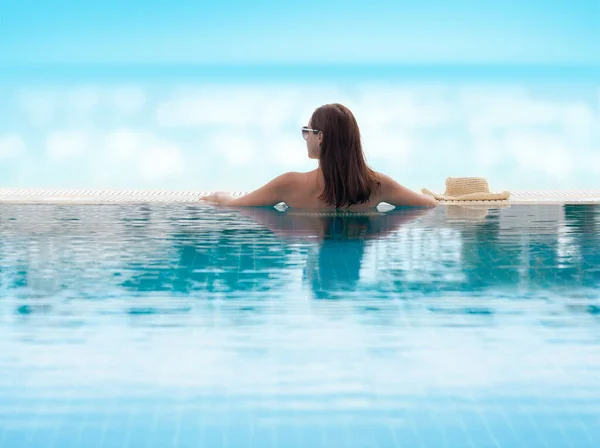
[
  {"x": 395, "y": 194},
  {"x": 272, "y": 193}
]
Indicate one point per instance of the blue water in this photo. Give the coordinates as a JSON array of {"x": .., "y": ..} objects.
[{"x": 189, "y": 326}]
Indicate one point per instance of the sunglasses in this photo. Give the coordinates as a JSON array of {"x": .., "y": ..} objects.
[{"x": 306, "y": 130}]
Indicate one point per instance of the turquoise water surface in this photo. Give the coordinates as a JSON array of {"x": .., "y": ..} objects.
[{"x": 193, "y": 326}]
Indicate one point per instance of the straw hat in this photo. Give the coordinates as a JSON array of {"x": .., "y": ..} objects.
[{"x": 468, "y": 189}]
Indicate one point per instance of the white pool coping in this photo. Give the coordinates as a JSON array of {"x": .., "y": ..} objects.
[{"x": 74, "y": 196}]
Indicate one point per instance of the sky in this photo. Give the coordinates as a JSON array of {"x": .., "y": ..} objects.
[
  {"x": 270, "y": 31},
  {"x": 210, "y": 95}
]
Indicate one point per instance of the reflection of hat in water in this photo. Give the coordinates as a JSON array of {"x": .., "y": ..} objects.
[
  {"x": 468, "y": 189},
  {"x": 470, "y": 212}
]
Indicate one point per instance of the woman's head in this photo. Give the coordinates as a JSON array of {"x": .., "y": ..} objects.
[{"x": 333, "y": 137}]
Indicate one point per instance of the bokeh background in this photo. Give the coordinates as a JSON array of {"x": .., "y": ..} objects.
[{"x": 211, "y": 95}]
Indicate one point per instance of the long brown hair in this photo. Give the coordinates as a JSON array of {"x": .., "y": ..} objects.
[{"x": 348, "y": 178}]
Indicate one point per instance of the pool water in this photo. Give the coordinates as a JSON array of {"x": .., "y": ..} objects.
[{"x": 193, "y": 326}]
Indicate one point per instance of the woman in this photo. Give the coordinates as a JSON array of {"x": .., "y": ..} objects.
[{"x": 343, "y": 179}]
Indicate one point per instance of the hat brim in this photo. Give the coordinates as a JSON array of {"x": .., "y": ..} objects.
[{"x": 481, "y": 196}]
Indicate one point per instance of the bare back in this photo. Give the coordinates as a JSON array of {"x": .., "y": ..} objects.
[{"x": 307, "y": 187}]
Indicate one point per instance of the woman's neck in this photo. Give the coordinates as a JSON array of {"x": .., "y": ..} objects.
[{"x": 320, "y": 177}]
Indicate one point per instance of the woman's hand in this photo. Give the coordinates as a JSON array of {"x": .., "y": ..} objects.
[{"x": 219, "y": 198}]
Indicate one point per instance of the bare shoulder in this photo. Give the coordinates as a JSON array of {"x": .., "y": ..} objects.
[
  {"x": 383, "y": 178},
  {"x": 275, "y": 191},
  {"x": 385, "y": 182},
  {"x": 394, "y": 193},
  {"x": 291, "y": 179}
]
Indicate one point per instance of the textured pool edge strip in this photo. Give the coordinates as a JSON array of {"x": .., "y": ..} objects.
[{"x": 58, "y": 196}]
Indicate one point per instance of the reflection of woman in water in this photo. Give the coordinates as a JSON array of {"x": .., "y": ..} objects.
[
  {"x": 239, "y": 257},
  {"x": 333, "y": 268},
  {"x": 342, "y": 180}
]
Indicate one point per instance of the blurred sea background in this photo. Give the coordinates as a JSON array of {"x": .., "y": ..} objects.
[{"x": 192, "y": 95}]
